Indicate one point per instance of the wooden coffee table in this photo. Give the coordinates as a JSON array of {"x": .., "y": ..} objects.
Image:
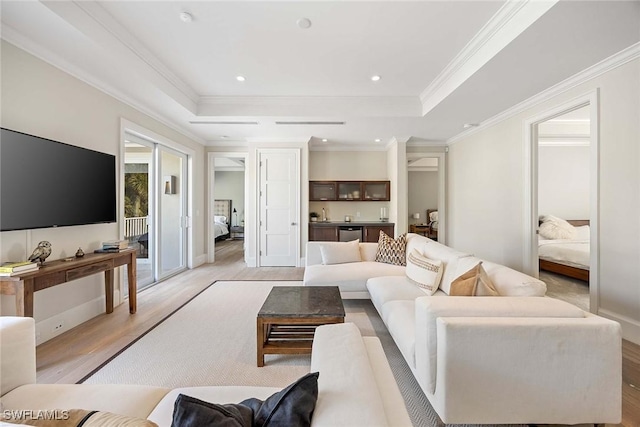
[{"x": 289, "y": 316}]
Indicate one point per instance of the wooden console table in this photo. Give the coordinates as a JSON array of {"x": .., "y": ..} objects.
[{"x": 57, "y": 272}]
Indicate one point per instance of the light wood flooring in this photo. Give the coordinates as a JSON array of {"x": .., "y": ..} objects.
[{"x": 71, "y": 356}]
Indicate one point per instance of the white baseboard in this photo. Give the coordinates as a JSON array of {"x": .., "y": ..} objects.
[
  {"x": 630, "y": 327},
  {"x": 251, "y": 261},
  {"x": 303, "y": 262},
  {"x": 45, "y": 329}
]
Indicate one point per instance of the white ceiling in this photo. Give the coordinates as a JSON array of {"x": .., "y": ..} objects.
[{"x": 442, "y": 64}]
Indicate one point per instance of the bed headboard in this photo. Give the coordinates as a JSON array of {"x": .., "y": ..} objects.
[
  {"x": 223, "y": 207},
  {"x": 578, "y": 222}
]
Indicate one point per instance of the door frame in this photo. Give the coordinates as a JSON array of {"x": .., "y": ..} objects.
[
  {"x": 127, "y": 126},
  {"x": 211, "y": 160},
  {"x": 258, "y": 206},
  {"x": 530, "y": 240}
]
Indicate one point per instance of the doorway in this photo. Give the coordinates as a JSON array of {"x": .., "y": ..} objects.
[
  {"x": 155, "y": 206},
  {"x": 426, "y": 177},
  {"x": 561, "y": 195}
]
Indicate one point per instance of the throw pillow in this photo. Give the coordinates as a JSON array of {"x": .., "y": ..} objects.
[
  {"x": 390, "y": 250},
  {"x": 77, "y": 417},
  {"x": 292, "y": 406},
  {"x": 474, "y": 282},
  {"x": 555, "y": 228},
  {"x": 191, "y": 412},
  {"x": 424, "y": 272},
  {"x": 340, "y": 252}
]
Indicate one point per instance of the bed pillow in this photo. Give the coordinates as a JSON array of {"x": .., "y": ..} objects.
[
  {"x": 555, "y": 228},
  {"x": 424, "y": 272},
  {"x": 392, "y": 251},
  {"x": 340, "y": 252},
  {"x": 474, "y": 282},
  {"x": 220, "y": 219},
  {"x": 583, "y": 232}
]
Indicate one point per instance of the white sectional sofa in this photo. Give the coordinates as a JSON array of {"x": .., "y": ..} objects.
[
  {"x": 516, "y": 358},
  {"x": 355, "y": 386}
]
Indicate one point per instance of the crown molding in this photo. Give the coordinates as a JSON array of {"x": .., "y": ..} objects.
[
  {"x": 14, "y": 37},
  {"x": 311, "y": 106},
  {"x": 514, "y": 17},
  {"x": 614, "y": 61}
]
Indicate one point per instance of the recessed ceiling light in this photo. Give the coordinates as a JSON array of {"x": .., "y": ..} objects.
[
  {"x": 324, "y": 139},
  {"x": 186, "y": 17},
  {"x": 224, "y": 136},
  {"x": 304, "y": 23},
  {"x": 377, "y": 140},
  {"x": 375, "y": 78},
  {"x": 470, "y": 125},
  {"x": 240, "y": 78}
]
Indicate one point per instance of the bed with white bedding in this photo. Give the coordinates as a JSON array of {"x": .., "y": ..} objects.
[
  {"x": 221, "y": 218},
  {"x": 569, "y": 257}
]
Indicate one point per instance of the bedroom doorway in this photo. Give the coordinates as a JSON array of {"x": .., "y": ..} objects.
[
  {"x": 227, "y": 200},
  {"x": 426, "y": 183},
  {"x": 561, "y": 179}
]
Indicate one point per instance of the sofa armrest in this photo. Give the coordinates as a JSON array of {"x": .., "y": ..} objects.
[
  {"x": 429, "y": 309},
  {"x": 528, "y": 370},
  {"x": 17, "y": 352},
  {"x": 347, "y": 390}
]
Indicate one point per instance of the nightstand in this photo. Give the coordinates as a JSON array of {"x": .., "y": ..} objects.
[{"x": 237, "y": 232}]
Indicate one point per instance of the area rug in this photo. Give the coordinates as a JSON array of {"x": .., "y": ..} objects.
[{"x": 211, "y": 341}]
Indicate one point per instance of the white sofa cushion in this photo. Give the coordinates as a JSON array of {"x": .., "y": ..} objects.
[
  {"x": 390, "y": 288},
  {"x": 401, "y": 323},
  {"x": 340, "y": 252},
  {"x": 425, "y": 272},
  {"x": 18, "y": 351},
  {"x": 349, "y": 277}
]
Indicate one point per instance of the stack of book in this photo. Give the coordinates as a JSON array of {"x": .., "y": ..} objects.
[
  {"x": 15, "y": 268},
  {"x": 113, "y": 246}
]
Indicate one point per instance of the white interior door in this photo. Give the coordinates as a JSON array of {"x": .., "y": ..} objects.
[{"x": 279, "y": 208}]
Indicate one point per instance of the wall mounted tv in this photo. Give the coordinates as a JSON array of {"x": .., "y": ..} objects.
[{"x": 45, "y": 183}]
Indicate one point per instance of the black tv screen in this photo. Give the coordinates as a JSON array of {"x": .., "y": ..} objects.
[{"x": 45, "y": 183}]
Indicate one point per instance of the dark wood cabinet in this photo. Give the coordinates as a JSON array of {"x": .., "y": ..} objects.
[
  {"x": 325, "y": 233},
  {"x": 376, "y": 190},
  {"x": 322, "y": 190},
  {"x": 372, "y": 232},
  {"x": 349, "y": 191}
]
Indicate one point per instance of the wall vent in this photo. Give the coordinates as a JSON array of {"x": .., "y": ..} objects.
[
  {"x": 211, "y": 122},
  {"x": 310, "y": 123}
]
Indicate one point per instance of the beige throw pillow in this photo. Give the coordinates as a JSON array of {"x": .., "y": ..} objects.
[
  {"x": 474, "y": 282},
  {"x": 340, "y": 252},
  {"x": 424, "y": 272},
  {"x": 392, "y": 251}
]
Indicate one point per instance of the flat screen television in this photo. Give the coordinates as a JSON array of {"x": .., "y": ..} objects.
[{"x": 45, "y": 183}]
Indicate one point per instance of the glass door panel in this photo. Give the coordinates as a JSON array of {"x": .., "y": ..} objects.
[
  {"x": 138, "y": 206},
  {"x": 171, "y": 212}
]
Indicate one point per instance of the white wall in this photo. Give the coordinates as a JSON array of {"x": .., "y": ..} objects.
[
  {"x": 423, "y": 194},
  {"x": 486, "y": 206},
  {"x": 230, "y": 185},
  {"x": 40, "y": 99},
  {"x": 563, "y": 181}
]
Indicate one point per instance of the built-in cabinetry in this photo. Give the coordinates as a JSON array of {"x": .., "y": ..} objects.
[
  {"x": 330, "y": 232},
  {"x": 349, "y": 191}
]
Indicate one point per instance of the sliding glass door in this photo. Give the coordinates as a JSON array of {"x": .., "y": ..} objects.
[{"x": 155, "y": 206}]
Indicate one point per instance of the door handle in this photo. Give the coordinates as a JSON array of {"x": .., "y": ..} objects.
[{"x": 294, "y": 223}]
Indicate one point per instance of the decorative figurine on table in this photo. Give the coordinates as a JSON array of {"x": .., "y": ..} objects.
[
  {"x": 79, "y": 253},
  {"x": 41, "y": 252}
]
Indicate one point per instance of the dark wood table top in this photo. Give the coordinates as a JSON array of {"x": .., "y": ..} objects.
[{"x": 303, "y": 302}]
